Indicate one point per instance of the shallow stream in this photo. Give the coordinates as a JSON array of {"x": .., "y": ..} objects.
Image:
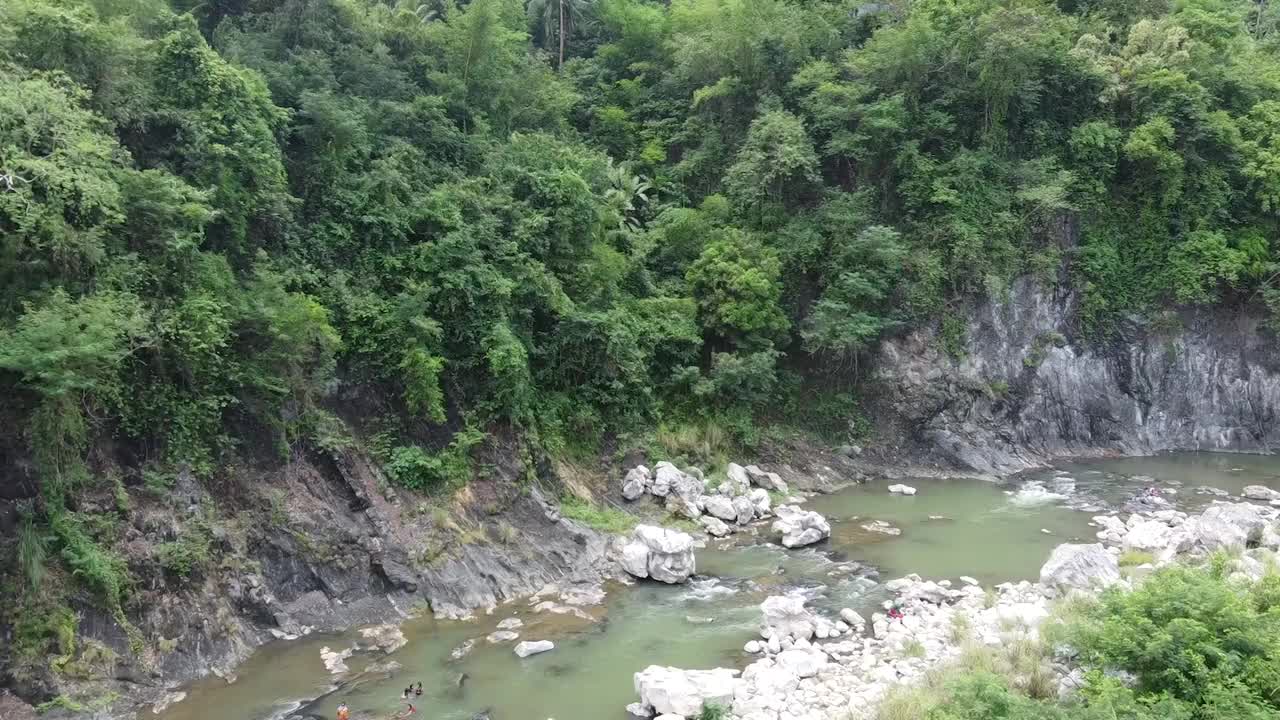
[{"x": 991, "y": 531}]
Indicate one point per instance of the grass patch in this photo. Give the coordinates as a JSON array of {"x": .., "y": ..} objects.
[
  {"x": 1134, "y": 558},
  {"x": 605, "y": 519},
  {"x": 913, "y": 648}
]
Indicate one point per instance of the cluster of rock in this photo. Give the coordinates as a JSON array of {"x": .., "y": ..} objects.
[
  {"x": 735, "y": 502},
  {"x": 1168, "y": 533},
  {"x": 812, "y": 668},
  {"x": 740, "y": 499}
]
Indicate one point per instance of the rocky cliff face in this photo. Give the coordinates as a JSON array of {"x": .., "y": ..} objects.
[{"x": 1027, "y": 389}]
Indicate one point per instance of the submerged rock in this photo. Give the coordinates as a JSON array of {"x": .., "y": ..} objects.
[
  {"x": 668, "y": 690},
  {"x": 511, "y": 623},
  {"x": 335, "y": 661},
  {"x": 1260, "y": 492},
  {"x": 501, "y": 636},
  {"x": 800, "y": 527},
  {"x": 1079, "y": 566}
]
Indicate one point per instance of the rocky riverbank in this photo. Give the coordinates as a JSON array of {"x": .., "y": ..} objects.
[{"x": 817, "y": 668}]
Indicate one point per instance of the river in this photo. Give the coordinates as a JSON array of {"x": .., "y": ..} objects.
[{"x": 991, "y": 531}]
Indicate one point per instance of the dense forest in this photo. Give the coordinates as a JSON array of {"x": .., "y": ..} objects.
[{"x": 576, "y": 218}]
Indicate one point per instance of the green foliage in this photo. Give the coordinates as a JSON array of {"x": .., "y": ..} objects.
[
  {"x": 605, "y": 519},
  {"x": 187, "y": 556},
  {"x": 712, "y": 711},
  {"x": 416, "y": 469}
]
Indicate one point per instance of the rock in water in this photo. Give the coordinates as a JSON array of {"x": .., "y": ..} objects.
[
  {"x": 1260, "y": 492},
  {"x": 667, "y": 690},
  {"x": 387, "y": 638},
  {"x": 658, "y": 553},
  {"x": 902, "y": 490},
  {"x": 501, "y": 636},
  {"x": 800, "y": 527},
  {"x": 785, "y": 616},
  {"x": 533, "y": 647},
  {"x": 511, "y": 623},
  {"x": 636, "y": 482},
  {"x": 334, "y": 661},
  {"x": 1079, "y": 566}
]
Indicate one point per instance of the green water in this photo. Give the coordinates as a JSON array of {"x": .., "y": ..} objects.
[{"x": 991, "y": 531}]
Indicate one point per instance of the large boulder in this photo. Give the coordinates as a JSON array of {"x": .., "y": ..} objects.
[
  {"x": 635, "y": 482},
  {"x": 721, "y": 507},
  {"x": 786, "y": 616},
  {"x": 745, "y": 509},
  {"x": 766, "y": 480},
  {"x": 665, "y": 475},
  {"x": 671, "y": 690},
  {"x": 759, "y": 498},
  {"x": 902, "y": 489},
  {"x": 1229, "y": 526},
  {"x": 714, "y": 526},
  {"x": 800, "y": 527},
  {"x": 667, "y": 554},
  {"x": 1148, "y": 535},
  {"x": 387, "y": 638},
  {"x": 1079, "y": 566},
  {"x": 737, "y": 481}
]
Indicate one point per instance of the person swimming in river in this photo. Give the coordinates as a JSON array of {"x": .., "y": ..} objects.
[
  {"x": 407, "y": 712},
  {"x": 417, "y": 689},
  {"x": 343, "y": 712}
]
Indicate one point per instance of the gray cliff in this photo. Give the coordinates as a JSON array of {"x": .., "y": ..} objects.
[{"x": 1028, "y": 388}]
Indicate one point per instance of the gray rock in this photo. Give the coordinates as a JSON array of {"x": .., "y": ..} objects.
[
  {"x": 665, "y": 475},
  {"x": 533, "y": 647},
  {"x": 1229, "y": 525},
  {"x": 785, "y": 616},
  {"x": 511, "y": 623},
  {"x": 636, "y": 482},
  {"x": 737, "y": 483},
  {"x": 1079, "y": 566},
  {"x": 720, "y": 507},
  {"x": 766, "y": 480},
  {"x": 745, "y": 509},
  {"x": 714, "y": 526}
]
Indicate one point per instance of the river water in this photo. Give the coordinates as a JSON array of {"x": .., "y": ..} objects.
[{"x": 991, "y": 531}]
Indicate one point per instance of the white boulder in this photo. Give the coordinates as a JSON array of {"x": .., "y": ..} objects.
[
  {"x": 533, "y": 647},
  {"x": 737, "y": 482},
  {"x": 668, "y": 690},
  {"x": 1229, "y": 525},
  {"x": 759, "y": 498},
  {"x": 1149, "y": 535},
  {"x": 800, "y": 527},
  {"x": 721, "y": 507},
  {"x": 635, "y": 482},
  {"x": 902, "y": 489},
  {"x": 714, "y": 526},
  {"x": 1079, "y": 566},
  {"x": 785, "y": 616},
  {"x": 804, "y": 662},
  {"x": 668, "y": 554},
  {"x": 745, "y": 509},
  {"x": 664, "y": 476}
]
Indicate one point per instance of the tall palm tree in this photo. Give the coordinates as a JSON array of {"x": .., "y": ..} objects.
[{"x": 558, "y": 18}]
